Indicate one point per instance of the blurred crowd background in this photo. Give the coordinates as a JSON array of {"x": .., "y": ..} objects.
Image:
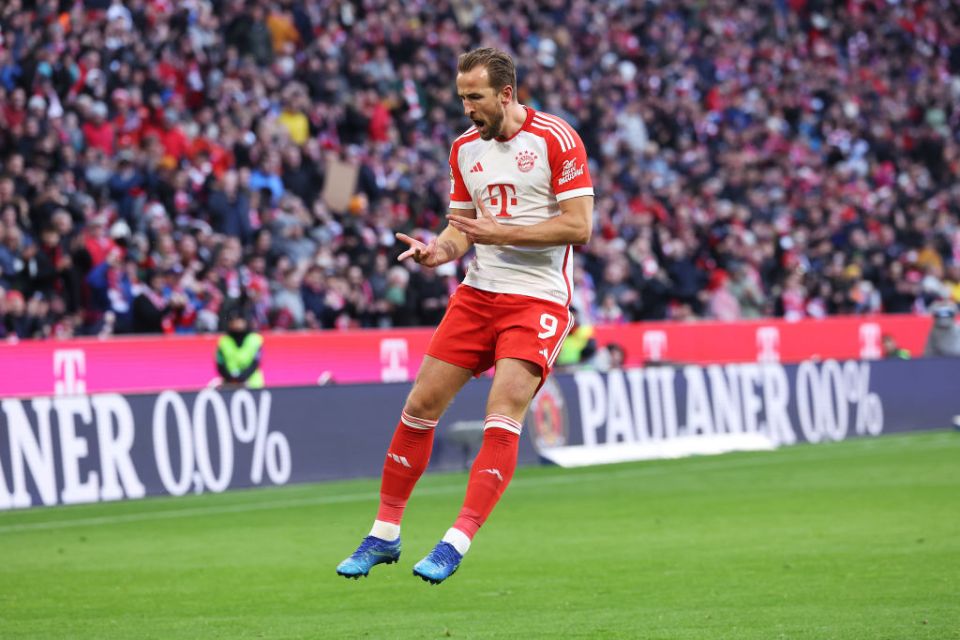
[{"x": 162, "y": 162}]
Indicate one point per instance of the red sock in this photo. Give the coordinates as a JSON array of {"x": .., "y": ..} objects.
[
  {"x": 491, "y": 472},
  {"x": 406, "y": 461}
]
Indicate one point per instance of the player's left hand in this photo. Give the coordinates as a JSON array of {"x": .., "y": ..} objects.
[{"x": 484, "y": 229}]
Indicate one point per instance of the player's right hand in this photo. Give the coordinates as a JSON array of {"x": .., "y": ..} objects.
[{"x": 429, "y": 255}]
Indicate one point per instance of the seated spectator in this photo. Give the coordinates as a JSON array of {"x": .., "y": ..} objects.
[
  {"x": 23, "y": 319},
  {"x": 431, "y": 295},
  {"x": 400, "y": 304},
  {"x": 98, "y": 132},
  {"x": 112, "y": 287},
  {"x": 9, "y": 254},
  {"x": 288, "y": 307},
  {"x": 97, "y": 240},
  {"x": 152, "y": 311},
  {"x": 229, "y": 207},
  {"x": 722, "y": 304},
  {"x": 609, "y": 311},
  {"x": 314, "y": 293},
  {"x": 892, "y": 350},
  {"x": 743, "y": 285}
]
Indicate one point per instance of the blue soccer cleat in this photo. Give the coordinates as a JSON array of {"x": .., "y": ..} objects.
[
  {"x": 371, "y": 552},
  {"x": 440, "y": 564}
]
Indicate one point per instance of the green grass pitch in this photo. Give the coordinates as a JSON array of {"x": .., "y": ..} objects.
[{"x": 859, "y": 539}]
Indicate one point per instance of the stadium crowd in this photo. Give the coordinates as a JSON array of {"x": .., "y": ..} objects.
[{"x": 163, "y": 162}]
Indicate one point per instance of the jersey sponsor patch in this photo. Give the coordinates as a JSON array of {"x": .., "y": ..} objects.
[
  {"x": 525, "y": 160},
  {"x": 569, "y": 171}
]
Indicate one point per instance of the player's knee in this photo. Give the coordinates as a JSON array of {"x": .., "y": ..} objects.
[
  {"x": 510, "y": 403},
  {"x": 423, "y": 407}
]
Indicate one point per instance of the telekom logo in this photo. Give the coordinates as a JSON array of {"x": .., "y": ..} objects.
[
  {"x": 654, "y": 345},
  {"x": 394, "y": 354},
  {"x": 69, "y": 371},
  {"x": 768, "y": 344},
  {"x": 870, "y": 341},
  {"x": 506, "y": 193}
]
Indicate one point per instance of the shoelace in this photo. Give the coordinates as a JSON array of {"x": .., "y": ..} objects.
[
  {"x": 369, "y": 543},
  {"x": 444, "y": 553},
  {"x": 366, "y": 545}
]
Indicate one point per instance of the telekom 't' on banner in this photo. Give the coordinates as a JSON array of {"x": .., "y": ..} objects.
[{"x": 186, "y": 363}]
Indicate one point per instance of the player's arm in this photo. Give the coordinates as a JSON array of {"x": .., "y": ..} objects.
[
  {"x": 573, "y": 226},
  {"x": 222, "y": 369},
  {"x": 450, "y": 245},
  {"x": 244, "y": 375}
]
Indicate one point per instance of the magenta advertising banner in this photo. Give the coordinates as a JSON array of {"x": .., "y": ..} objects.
[
  {"x": 186, "y": 363},
  {"x": 183, "y": 363}
]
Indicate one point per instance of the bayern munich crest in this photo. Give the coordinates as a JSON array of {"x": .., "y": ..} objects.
[
  {"x": 548, "y": 417},
  {"x": 525, "y": 160}
]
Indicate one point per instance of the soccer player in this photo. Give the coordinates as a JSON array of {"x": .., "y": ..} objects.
[{"x": 520, "y": 193}]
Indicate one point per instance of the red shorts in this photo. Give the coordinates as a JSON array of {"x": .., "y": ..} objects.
[{"x": 481, "y": 327}]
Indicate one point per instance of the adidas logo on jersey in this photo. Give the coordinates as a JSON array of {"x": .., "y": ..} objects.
[{"x": 477, "y": 168}]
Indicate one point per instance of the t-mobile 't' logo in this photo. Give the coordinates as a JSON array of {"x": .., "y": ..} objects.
[
  {"x": 507, "y": 193},
  {"x": 768, "y": 344},
  {"x": 393, "y": 360},
  {"x": 870, "y": 341},
  {"x": 654, "y": 345},
  {"x": 69, "y": 371}
]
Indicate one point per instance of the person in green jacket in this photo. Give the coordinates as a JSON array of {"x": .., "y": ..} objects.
[
  {"x": 893, "y": 350},
  {"x": 239, "y": 352},
  {"x": 578, "y": 347}
]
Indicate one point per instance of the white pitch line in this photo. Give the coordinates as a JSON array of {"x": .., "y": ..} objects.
[
  {"x": 187, "y": 512},
  {"x": 717, "y": 463}
]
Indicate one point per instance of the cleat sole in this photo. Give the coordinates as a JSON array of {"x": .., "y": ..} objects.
[
  {"x": 432, "y": 581},
  {"x": 355, "y": 576}
]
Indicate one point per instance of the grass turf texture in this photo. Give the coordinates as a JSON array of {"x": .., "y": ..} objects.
[{"x": 859, "y": 539}]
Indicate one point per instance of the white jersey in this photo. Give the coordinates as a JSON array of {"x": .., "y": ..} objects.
[{"x": 521, "y": 181}]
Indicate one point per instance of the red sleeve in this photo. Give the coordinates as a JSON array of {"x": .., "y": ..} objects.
[
  {"x": 568, "y": 158},
  {"x": 459, "y": 196}
]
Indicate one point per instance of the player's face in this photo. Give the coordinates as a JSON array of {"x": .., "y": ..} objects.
[{"x": 484, "y": 106}]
